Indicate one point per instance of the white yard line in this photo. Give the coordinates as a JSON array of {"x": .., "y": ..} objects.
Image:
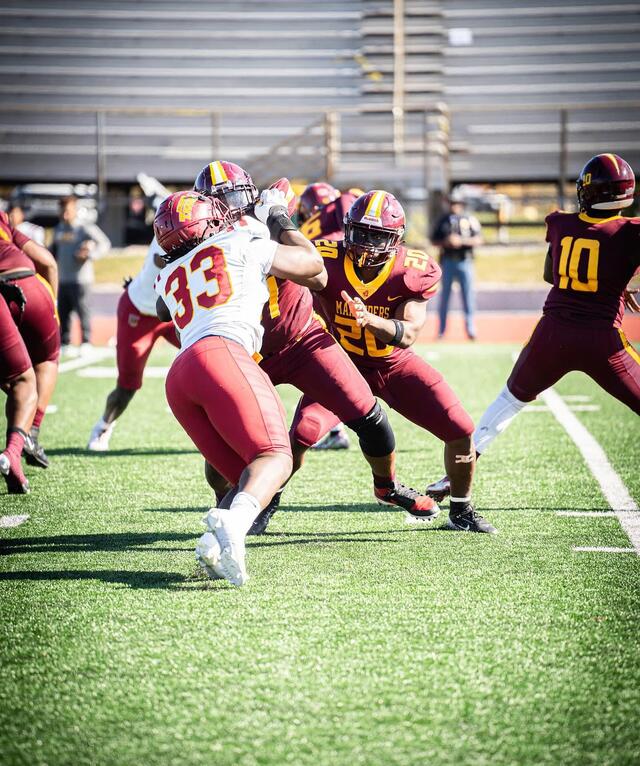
[
  {"x": 84, "y": 361},
  {"x": 6, "y": 522},
  {"x": 615, "y": 492}
]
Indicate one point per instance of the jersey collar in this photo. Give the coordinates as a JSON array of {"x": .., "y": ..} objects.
[
  {"x": 588, "y": 219},
  {"x": 367, "y": 289}
]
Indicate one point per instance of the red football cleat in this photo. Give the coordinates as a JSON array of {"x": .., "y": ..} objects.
[
  {"x": 418, "y": 506},
  {"x": 17, "y": 483}
]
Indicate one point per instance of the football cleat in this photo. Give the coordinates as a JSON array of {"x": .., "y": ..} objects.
[
  {"x": 34, "y": 453},
  {"x": 463, "y": 518},
  {"x": 419, "y": 507},
  {"x": 17, "y": 484},
  {"x": 231, "y": 561},
  {"x": 261, "y": 522},
  {"x": 208, "y": 555},
  {"x": 100, "y": 437},
  {"x": 337, "y": 438},
  {"x": 439, "y": 489}
]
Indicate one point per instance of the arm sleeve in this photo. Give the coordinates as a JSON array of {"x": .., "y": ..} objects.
[
  {"x": 476, "y": 228},
  {"x": 103, "y": 243}
]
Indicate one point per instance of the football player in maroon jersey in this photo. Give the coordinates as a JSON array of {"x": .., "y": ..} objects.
[
  {"x": 313, "y": 198},
  {"x": 29, "y": 347},
  {"x": 391, "y": 285},
  {"x": 33, "y": 268},
  {"x": 296, "y": 349},
  {"x": 592, "y": 256},
  {"x": 322, "y": 219}
]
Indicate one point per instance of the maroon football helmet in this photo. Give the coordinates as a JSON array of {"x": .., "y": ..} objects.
[
  {"x": 373, "y": 228},
  {"x": 229, "y": 183},
  {"x": 314, "y": 197},
  {"x": 606, "y": 182},
  {"x": 185, "y": 219}
]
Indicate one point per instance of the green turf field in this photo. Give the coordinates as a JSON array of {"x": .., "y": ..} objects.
[{"x": 358, "y": 640}]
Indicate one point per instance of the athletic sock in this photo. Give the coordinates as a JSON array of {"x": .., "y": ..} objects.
[
  {"x": 496, "y": 418},
  {"x": 245, "y": 508},
  {"x": 15, "y": 443},
  {"x": 37, "y": 420},
  {"x": 460, "y": 499}
]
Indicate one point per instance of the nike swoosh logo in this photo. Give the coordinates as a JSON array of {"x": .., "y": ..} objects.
[{"x": 397, "y": 297}]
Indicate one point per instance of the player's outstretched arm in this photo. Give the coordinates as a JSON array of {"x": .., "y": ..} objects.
[
  {"x": 295, "y": 258},
  {"x": 44, "y": 262},
  {"x": 402, "y": 331}
]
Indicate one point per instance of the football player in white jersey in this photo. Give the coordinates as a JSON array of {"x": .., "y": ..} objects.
[
  {"x": 138, "y": 329},
  {"x": 213, "y": 288}
]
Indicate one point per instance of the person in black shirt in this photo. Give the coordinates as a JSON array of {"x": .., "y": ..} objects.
[{"x": 456, "y": 234}]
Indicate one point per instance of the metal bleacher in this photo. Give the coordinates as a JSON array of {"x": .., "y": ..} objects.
[{"x": 310, "y": 89}]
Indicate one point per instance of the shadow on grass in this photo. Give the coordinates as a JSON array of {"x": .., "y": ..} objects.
[
  {"x": 133, "y": 451},
  {"x": 324, "y": 508},
  {"x": 139, "y": 580},
  {"x": 122, "y": 541}
]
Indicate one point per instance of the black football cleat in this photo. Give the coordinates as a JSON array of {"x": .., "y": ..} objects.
[
  {"x": 463, "y": 518},
  {"x": 17, "y": 484},
  {"x": 419, "y": 507},
  {"x": 261, "y": 522},
  {"x": 34, "y": 453}
]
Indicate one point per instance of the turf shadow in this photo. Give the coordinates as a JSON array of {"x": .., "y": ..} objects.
[
  {"x": 138, "y": 580},
  {"x": 132, "y": 451},
  {"x": 110, "y": 541}
]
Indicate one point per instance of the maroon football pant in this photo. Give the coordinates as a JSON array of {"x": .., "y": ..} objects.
[
  {"x": 14, "y": 357},
  {"x": 409, "y": 386},
  {"x": 316, "y": 364},
  {"x": 556, "y": 348},
  {"x": 227, "y": 405},
  {"x": 38, "y": 321},
  {"x": 136, "y": 335}
]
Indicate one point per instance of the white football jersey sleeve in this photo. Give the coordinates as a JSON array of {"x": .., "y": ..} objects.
[
  {"x": 140, "y": 288},
  {"x": 219, "y": 287}
]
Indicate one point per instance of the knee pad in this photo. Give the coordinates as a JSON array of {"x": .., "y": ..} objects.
[{"x": 374, "y": 432}]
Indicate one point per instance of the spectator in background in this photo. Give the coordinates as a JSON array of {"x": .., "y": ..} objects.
[
  {"x": 75, "y": 245},
  {"x": 31, "y": 230},
  {"x": 456, "y": 234}
]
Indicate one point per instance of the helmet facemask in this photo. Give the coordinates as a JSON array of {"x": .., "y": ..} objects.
[{"x": 370, "y": 246}]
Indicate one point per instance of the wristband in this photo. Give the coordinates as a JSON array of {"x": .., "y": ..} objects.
[
  {"x": 399, "y": 333},
  {"x": 279, "y": 221}
]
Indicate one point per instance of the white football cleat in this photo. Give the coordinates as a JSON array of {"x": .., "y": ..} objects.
[
  {"x": 208, "y": 555},
  {"x": 230, "y": 534},
  {"x": 100, "y": 437}
]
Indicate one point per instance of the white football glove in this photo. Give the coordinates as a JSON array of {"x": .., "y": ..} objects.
[{"x": 269, "y": 198}]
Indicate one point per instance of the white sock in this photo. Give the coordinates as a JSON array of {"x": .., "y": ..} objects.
[
  {"x": 103, "y": 425},
  {"x": 496, "y": 418},
  {"x": 460, "y": 499},
  {"x": 244, "y": 508}
]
